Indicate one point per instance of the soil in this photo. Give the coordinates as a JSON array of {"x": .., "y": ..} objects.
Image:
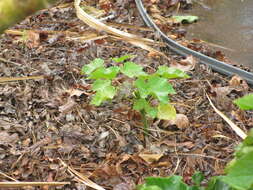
[{"x": 48, "y": 119}]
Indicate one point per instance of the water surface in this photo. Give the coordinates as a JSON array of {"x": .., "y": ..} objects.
[{"x": 228, "y": 23}]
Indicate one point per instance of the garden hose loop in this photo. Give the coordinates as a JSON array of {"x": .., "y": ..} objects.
[{"x": 214, "y": 64}]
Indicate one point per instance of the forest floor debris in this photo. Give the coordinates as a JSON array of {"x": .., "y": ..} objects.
[{"x": 45, "y": 120}]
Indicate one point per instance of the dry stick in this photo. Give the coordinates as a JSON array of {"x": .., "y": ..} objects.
[
  {"x": 94, "y": 23},
  {"x": 9, "y": 79},
  {"x": 22, "y": 32},
  {"x": 238, "y": 131},
  {"x": 85, "y": 38},
  {"x": 129, "y": 26},
  {"x": 100, "y": 26},
  {"x": 198, "y": 155},
  {"x": 23, "y": 184},
  {"x": 80, "y": 177},
  {"x": 5, "y": 175},
  {"x": 7, "y": 61},
  {"x": 178, "y": 160}
]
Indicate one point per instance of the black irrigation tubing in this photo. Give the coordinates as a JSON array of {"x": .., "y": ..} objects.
[{"x": 216, "y": 65}]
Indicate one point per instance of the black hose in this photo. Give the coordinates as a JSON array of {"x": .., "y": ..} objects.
[{"x": 216, "y": 65}]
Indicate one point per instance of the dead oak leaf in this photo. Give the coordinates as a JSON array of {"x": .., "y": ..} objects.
[
  {"x": 181, "y": 121},
  {"x": 186, "y": 64},
  {"x": 235, "y": 81},
  {"x": 222, "y": 91},
  {"x": 75, "y": 92},
  {"x": 238, "y": 83},
  {"x": 150, "y": 158}
]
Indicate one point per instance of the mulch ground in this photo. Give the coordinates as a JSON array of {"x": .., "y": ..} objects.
[{"x": 47, "y": 120}]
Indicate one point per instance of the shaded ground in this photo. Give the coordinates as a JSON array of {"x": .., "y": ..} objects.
[{"x": 44, "y": 120}]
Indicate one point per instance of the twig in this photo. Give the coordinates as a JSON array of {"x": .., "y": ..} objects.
[
  {"x": 81, "y": 178},
  {"x": 197, "y": 155},
  {"x": 10, "y": 79},
  {"x": 238, "y": 131},
  {"x": 23, "y": 184},
  {"x": 7, "y": 61},
  {"x": 5, "y": 175}
]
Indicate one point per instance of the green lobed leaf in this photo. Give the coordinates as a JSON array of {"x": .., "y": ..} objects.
[
  {"x": 89, "y": 68},
  {"x": 97, "y": 99},
  {"x": 142, "y": 104},
  {"x": 216, "y": 184},
  {"x": 248, "y": 141},
  {"x": 151, "y": 187},
  {"x": 240, "y": 169},
  {"x": 143, "y": 87},
  {"x": 166, "y": 183},
  {"x": 171, "y": 72},
  {"x": 122, "y": 58},
  {"x": 131, "y": 69},
  {"x": 160, "y": 88},
  {"x": 100, "y": 85},
  {"x": 104, "y": 91},
  {"x": 151, "y": 111},
  {"x": 139, "y": 104},
  {"x": 242, "y": 149},
  {"x": 197, "y": 178},
  {"x": 108, "y": 93},
  {"x": 105, "y": 73},
  {"x": 166, "y": 111},
  {"x": 156, "y": 86},
  {"x": 195, "y": 187},
  {"x": 240, "y": 174},
  {"x": 245, "y": 103}
]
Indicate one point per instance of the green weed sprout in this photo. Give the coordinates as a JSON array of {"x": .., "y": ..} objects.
[
  {"x": 148, "y": 88},
  {"x": 245, "y": 102}
]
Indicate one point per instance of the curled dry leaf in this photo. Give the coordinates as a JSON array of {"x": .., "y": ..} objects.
[
  {"x": 186, "y": 64},
  {"x": 181, "y": 121},
  {"x": 75, "y": 92},
  {"x": 237, "y": 81},
  {"x": 150, "y": 158},
  {"x": 222, "y": 91}
]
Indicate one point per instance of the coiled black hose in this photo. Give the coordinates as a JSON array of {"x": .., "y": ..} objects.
[{"x": 216, "y": 65}]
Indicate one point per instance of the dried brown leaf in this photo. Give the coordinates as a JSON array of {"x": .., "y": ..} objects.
[
  {"x": 68, "y": 106},
  {"x": 186, "y": 64},
  {"x": 150, "y": 158},
  {"x": 181, "y": 121}
]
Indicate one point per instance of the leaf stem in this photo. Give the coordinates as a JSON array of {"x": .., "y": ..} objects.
[{"x": 144, "y": 121}]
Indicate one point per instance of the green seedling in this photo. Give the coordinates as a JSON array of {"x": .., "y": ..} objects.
[
  {"x": 245, "y": 103},
  {"x": 147, "y": 88}
]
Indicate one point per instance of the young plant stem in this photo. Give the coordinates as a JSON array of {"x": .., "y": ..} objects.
[{"x": 144, "y": 121}]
